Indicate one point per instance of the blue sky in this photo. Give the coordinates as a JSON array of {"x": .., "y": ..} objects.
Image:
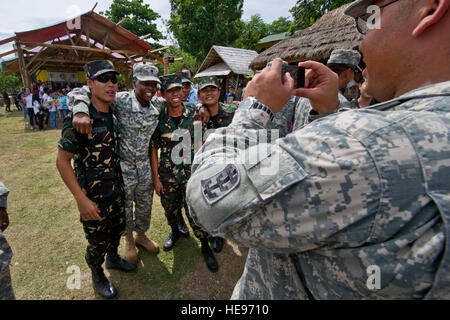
[{"x": 24, "y": 15}]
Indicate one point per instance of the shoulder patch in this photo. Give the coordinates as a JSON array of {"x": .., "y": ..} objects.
[{"x": 221, "y": 184}]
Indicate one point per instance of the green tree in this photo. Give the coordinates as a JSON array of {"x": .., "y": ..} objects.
[
  {"x": 252, "y": 31},
  {"x": 10, "y": 82},
  {"x": 282, "y": 24},
  {"x": 197, "y": 25},
  {"x": 255, "y": 29},
  {"x": 140, "y": 17},
  {"x": 306, "y": 12}
]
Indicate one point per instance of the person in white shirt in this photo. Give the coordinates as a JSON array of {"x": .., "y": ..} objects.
[
  {"x": 49, "y": 104},
  {"x": 27, "y": 99}
]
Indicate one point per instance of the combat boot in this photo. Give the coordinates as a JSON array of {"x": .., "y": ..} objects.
[
  {"x": 182, "y": 227},
  {"x": 172, "y": 238},
  {"x": 210, "y": 260},
  {"x": 114, "y": 261},
  {"x": 130, "y": 249},
  {"x": 149, "y": 245},
  {"x": 102, "y": 284},
  {"x": 218, "y": 244}
]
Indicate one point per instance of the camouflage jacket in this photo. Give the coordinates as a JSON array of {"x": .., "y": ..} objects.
[
  {"x": 96, "y": 160},
  {"x": 136, "y": 123},
  {"x": 220, "y": 120},
  {"x": 5, "y": 250},
  {"x": 177, "y": 144},
  {"x": 223, "y": 118},
  {"x": 353, "y": 206}
]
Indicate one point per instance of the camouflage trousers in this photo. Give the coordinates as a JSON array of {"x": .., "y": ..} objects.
[
  {"x": 104, "y": 236},
  {"x": 6, "y": 290},
  {"x": 173, "y": 200},
  {"x": 138, "y": 186}
]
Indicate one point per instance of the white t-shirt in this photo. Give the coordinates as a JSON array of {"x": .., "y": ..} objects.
[
  {"x": 29, "y": 100},
  {"x": 36, "y": 106},
  {"x": 49, "y": 99}
]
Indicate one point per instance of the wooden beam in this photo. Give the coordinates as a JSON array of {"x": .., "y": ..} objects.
[
  {"x": 7, "y": 53},
  {"x": 7, "y": 40},
  {"x": 34, "y": 58},
  {"x": 71, "y": 41},
  {"x": 26, "y": 79},
  {"x": 67, "y": 47},
  {"x": 106, "y": 39},
  {"x": 160, "y": 49},
  {"x": 94, "y": 7},
  {"x": 121, "y": 21}
]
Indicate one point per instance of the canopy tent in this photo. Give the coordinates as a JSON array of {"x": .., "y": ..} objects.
[{"x": 68, "y": 45}]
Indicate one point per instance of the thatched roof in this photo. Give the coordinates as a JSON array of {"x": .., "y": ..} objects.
[
  {"x": 224, "y": 60},
  {"x": 333, "y": 30}
]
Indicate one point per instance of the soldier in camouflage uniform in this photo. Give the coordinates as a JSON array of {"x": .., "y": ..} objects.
[
  {"x": 6, "y": 290},
  {"x": 221, "y": 116},
  {"x": 97, "y": 182},
  {"x": 175, "y": 139},
  {"x": 354, "y": 205},
  {"x": 137, "y": 113}
]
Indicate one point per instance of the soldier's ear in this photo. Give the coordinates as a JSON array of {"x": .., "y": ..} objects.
[
  {"x": 90, "y": 83},
  {"x": 432, "y": 12}
]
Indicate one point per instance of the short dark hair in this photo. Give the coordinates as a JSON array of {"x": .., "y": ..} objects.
[
  {"x": 339, "y": 68},
  {"x": 191, "y": 73}
]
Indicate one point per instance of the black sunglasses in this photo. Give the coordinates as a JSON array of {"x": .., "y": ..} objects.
[
  {"x": 105, "y": 78},
  {"x": 361, "y": 20}
]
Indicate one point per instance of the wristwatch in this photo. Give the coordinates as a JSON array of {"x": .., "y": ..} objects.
[{"x": 253, "y": 103}]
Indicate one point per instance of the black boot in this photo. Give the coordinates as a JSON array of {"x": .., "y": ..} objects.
[
  {"x": 182, "y": 227},
  {"x": 104, "y": 287},
  {"x": 172, "y": 238},
  {"x": 218, "y": 244},
  {"x": 114, "y": 261},
  {"x": 210, "y": 260}
]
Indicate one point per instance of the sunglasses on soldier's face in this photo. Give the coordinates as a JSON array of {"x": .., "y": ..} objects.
[{"x": 105, "y": 78}]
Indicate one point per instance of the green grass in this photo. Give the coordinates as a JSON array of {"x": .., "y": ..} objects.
[{"x": 47, "y": 237}]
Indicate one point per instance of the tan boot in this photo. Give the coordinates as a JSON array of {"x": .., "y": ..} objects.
[
  {"x": 149, "y": 245},
  {"x": 130, "y": 249}
]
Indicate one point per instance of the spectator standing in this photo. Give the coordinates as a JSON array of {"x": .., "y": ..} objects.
[
  {"x": 7, "y": 101},
  {"x": 27, "y": 100},
  {"x": 230, "y": 96}
]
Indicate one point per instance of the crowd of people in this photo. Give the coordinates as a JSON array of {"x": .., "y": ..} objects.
[
  {"x": 41, "y": 105},
  {"x": 351, "y": 181}
]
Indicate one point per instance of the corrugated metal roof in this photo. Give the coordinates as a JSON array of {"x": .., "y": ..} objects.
[
  {"x": 274, "y": 37},
  {"x": 237, "y": 60}
]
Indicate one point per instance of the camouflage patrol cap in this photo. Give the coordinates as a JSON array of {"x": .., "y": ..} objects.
[
  {"x": 345, "y": 56},
  {"x": 208, "y": 81},
  {"x": 185, "y": 77},
  {"x": 358, "y": 7},
  {"x": 171, "y": 81},
  {"x": 145, "y": 72},
  {"x": 98, "y": 67}
]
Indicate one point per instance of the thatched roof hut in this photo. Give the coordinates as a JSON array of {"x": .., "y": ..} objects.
[
  {"x": 230, "y": 65},
  {"x": 333, "y": 30}
]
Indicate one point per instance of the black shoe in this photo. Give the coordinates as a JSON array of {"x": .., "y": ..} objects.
[
  {"x": 114, "y": 261},
  {"x": 218, "y": 244},
  {"x": 171, "y": 239},
  {"x": 182, "y": 227},
  {"x": 210, "y": 260},
  {"x": 104, "y": 287}
]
